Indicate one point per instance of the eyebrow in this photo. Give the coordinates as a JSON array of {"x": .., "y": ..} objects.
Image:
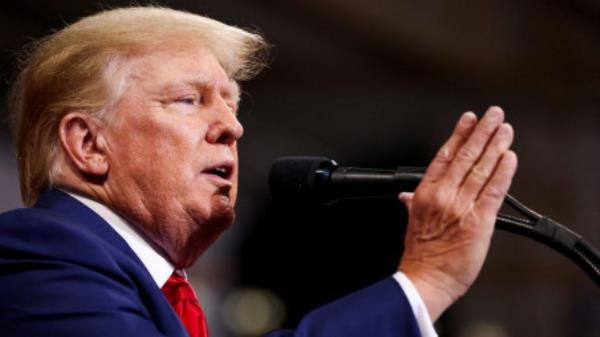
[{"x": 233, "y": 92}]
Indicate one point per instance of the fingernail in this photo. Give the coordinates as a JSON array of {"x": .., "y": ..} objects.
[
  {"x": 468, "y": 119},
  {"x": 445, "y": 152},
  {"x": 494, "y": 112},
  {"x": 504, "y": 130}
]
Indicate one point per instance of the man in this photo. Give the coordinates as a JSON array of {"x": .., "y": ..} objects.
[{"x": 125, "y": 127}]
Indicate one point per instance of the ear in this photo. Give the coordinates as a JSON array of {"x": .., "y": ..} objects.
[{"x": 84, "y": 144}]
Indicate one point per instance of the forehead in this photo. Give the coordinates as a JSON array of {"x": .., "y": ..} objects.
[{"x": 178, "y": 64}]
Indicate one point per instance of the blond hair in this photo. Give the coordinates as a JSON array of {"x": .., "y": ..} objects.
[{"x": 77, "y": 69}]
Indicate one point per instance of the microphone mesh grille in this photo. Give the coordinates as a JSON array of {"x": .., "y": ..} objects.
[{"x": 293, "y": 178}]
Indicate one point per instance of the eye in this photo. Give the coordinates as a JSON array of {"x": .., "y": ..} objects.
[{"x": 189, "y": 100}]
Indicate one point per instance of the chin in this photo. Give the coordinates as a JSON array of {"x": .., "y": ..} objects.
[
  {"x": 198, "y": 243},
  {"x": 205, "y": 231}
]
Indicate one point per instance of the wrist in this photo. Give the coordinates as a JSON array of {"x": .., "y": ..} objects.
[{"x": 437, "y": 290}]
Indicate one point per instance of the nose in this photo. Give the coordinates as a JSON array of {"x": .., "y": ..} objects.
[{"x": 225, "y": 127}]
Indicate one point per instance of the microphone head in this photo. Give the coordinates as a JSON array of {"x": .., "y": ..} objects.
[{"x": 297, "y": 178}]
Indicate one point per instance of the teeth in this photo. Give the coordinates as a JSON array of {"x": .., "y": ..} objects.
[{"x": 220, "y": 171}]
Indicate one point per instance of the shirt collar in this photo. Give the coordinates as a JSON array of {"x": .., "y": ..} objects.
[{"x": 157, "y": 265}]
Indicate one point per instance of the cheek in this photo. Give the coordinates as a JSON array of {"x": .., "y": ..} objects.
[{"x": 160, "y": 150}]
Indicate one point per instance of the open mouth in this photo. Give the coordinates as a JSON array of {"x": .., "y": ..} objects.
[{"x": 222, "y": 171}]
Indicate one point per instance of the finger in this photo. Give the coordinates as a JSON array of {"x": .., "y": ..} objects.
[
  {"x": 489, "y": 201},
  {"x": 471, "y": 151},
  {"x": 406, "y": 198},
  {"x": 464, "y": 127},
  {"x": 482, "y": 171}
]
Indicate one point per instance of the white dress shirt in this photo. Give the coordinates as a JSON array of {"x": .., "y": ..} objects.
[
  {"x": 161, "y": 268},
  {"x": 157, "y": 265}
]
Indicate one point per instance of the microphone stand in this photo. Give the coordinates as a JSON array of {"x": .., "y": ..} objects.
[
  {"x": 534, "y": 225},
  {"x": 541, "y": 229},
  {"x": 551, "y": 233},
  {"x": 321, "y": 179}
]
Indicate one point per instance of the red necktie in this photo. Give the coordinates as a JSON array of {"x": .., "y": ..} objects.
[{"x": 183, "y": 300}]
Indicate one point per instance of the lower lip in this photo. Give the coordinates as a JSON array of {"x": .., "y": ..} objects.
[{"x": 221, "y": 182}]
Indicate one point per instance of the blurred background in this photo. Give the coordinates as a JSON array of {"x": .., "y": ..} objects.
[{"x": 380, "y": 83}]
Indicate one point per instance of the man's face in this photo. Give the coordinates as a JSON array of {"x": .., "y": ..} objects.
[{"x": 172, "y": 149}]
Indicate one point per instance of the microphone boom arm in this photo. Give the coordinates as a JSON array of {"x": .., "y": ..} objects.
[
  {"x": 534, "y": 226},
  {"x": 322, "y": 180}
]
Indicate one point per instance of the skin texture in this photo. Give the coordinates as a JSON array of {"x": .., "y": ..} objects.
[
  {"x": 150, "y": 162},
  {"x": 453, "y": 211}
]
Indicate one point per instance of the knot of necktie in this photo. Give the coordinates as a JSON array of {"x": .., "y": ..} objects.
[
  {"x": 177, "y": 288},
  {"x": 182, "y": 298}
]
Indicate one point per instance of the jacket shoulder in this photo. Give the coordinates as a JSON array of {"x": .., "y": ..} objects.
[
  {"x": 42, "y": 233},
  {"x": 60, "y": 278}
]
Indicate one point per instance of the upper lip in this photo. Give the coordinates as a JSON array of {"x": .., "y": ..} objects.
[{"x": 223, "y": 169}]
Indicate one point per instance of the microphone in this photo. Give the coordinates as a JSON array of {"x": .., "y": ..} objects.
[{"x": 322, "y": 180}]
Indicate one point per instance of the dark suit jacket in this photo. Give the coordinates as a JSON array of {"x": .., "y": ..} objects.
[{"x": 65, "y": 272}]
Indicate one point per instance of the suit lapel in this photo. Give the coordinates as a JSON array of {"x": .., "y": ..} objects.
[
  {"x": 62, "y": 203},
  {"x": 79, "y": 215}
]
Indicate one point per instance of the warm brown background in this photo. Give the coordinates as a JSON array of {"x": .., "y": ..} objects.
[{"x": 380, "y": 83}]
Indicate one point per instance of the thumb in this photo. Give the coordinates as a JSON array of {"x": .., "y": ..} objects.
[{"x": 406, "y": 198}]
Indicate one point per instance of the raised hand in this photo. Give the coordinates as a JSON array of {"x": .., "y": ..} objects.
[{"x": 453, "y": 210}]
